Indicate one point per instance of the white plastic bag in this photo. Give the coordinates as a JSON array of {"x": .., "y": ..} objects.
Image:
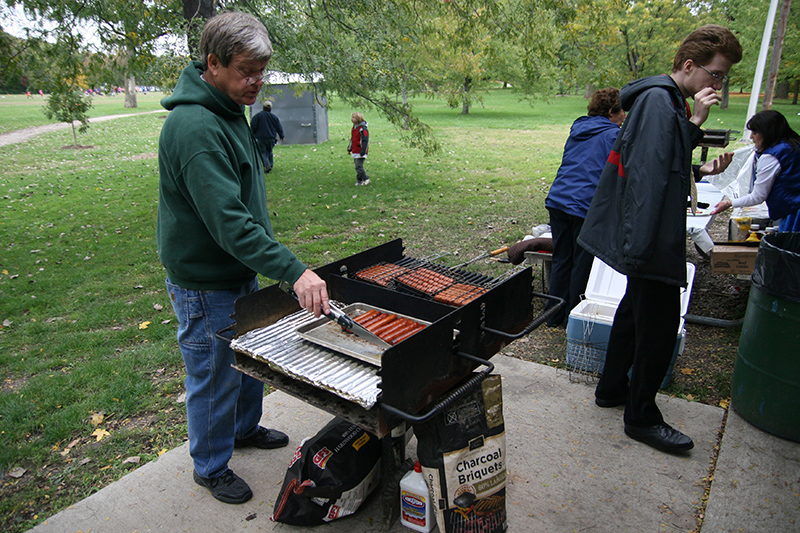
[{"x": 736, "y": 179}]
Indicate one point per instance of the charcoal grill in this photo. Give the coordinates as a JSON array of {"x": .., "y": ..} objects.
[{"x": 417, "y": 377}]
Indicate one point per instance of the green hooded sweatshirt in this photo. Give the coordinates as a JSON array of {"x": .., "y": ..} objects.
[{"x": 213, "y": 229}]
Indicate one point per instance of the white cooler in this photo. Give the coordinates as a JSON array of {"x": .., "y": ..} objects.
[{"x": 589, "y": 323}]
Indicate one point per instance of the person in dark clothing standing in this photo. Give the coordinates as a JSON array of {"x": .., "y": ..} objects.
[
  {"x": 590, "y": 140},
  {"x": 359, "y": 147},
  {"x": 637, "y": 225},
  {"x": 266, "y": 129}
]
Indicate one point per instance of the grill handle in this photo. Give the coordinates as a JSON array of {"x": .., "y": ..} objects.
[
  {"x": 451, "y": 397},
  {"x": 220, "y": 333},
  {"x": 538, "y": 321}
]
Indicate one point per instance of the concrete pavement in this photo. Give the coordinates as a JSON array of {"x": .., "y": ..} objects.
[{"x": 571, "y": 468}]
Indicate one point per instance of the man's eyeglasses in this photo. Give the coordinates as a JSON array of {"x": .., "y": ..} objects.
[
  {"x": 249, "y": 80},
  {"x": 717, "y": 77}
]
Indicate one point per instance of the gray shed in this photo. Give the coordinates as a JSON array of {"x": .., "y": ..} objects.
[{"x": 304, "y": 119}]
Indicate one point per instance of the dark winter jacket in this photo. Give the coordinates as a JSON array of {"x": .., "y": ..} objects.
[
  {"x": 637, "y": 220},
  {"x": 266, "y": 126},
  {"x": 213, "y": 229},
  {"x": 784, "y": 197},
  {"x": 359, "y": 140},
  {"x": 585, "y": 154}
]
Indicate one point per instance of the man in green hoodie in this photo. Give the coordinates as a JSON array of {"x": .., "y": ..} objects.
[{"x": 215, "y": 236}]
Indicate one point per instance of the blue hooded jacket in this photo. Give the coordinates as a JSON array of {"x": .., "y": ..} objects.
[{"x": 585, "y": 154}]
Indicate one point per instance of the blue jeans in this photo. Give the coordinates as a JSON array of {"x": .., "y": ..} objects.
[
  {"x": 221, "y": 402},
  {"x": 265, "y": 146}
]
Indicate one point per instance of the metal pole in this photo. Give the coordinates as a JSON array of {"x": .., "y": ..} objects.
[{"x": 762, "y": 60}]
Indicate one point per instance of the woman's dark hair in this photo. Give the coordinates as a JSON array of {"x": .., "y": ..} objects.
[
  {"x": 773, "y": 127},
  {"x": 604, "y": 102}
]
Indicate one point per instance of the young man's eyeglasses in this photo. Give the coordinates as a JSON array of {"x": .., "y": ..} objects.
[
  {"x": 250, "y": 80},
  {"x": 717, "y": 77}
]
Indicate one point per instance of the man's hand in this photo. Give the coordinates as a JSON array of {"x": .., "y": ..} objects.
[
  {"x": 312, "y": 293},
  {"x": 715, "y": 166},
  {"x": 702, "y": 104}
]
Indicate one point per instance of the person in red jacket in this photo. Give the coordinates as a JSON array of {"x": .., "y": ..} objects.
[{"x": 359, "y": 146}]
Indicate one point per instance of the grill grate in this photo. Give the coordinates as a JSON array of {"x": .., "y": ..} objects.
[{"x": 388, "y": 277}]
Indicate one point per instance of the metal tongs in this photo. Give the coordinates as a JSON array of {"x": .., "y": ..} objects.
[{"x": 344, "y": 320}]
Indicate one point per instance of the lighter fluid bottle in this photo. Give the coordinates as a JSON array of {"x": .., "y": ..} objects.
[{"x": 415, "y": 511}]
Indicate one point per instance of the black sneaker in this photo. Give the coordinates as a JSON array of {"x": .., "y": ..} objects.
[
  {"x": 263, "y": 438},
  {"x": 228, "y": 487}
]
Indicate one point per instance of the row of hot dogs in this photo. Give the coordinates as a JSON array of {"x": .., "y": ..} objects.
[
  {"x": 443, "y": 288},
  {"x": 388, "y": 326}
]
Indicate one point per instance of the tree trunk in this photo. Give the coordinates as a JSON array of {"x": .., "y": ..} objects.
[
  {"x": 796, "y": 89},
  {"x": 196, "y": 12},
  {"x": 782, "y": 90},
  {"x": 405, "y": 107},
  {"x": 589, "y": 91},
  {"x": 777, "y": 48},
  {"x": 467, "y": 87},
  {"x": 130, "y": 92},
  {"x": 726, "y": 89}
]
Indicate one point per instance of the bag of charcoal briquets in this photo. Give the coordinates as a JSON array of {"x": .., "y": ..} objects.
[
  {"x": 330, "y": 475},
  {"x": 462, "y": 452}
]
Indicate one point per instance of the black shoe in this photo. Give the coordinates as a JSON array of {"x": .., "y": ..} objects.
[
  {"x": 228, "y": 488},
  {"x": 263, "y": 438},
  {"x": 661, "y": 437},
  {"x": 614, "y": 402}
]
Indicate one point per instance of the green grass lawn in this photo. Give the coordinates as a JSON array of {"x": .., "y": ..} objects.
[{"x": 87, "y": 341}]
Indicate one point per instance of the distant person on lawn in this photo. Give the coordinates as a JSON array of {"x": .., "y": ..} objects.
[
  {"x": 214, "y": 236},
  {"x": 637, "y": 225},
  {"x": 359, "y": 147},
  {"x": 266, "y": 129}
]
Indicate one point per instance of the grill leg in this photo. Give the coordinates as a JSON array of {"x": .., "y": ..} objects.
[{"x": 394, "y": 466}]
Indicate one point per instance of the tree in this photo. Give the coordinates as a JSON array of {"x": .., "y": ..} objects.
[
  {"x": 69, "y": 104},
  {"x": 127, "y": 29},
  {"x": 66, "y": 101}
]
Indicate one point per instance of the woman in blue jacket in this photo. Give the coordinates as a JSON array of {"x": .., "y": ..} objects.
[
  {"x": 590, "y": 140},
  {"x": 776, "y": 176}
]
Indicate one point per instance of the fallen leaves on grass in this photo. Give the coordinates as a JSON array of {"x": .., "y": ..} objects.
[{"x": 99, "y": 434}]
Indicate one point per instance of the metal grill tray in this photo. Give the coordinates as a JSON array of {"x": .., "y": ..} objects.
[
  {"x": 324, "y": 332},
  {"x": 285, "y": 352}
]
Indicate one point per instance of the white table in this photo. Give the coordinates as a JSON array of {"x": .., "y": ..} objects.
[{"x": 697, "y": 225}]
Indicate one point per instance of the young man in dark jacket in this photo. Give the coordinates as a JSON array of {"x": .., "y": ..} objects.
[
  {"x": 637, "y": 225},
  {"x": 214, "y": 236},
  {"x": 267, "y": 129}
]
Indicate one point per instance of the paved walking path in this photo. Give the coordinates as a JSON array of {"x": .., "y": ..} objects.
[
  {"x": 18, "y": 136},
  {"x": 570, "y": 468}
]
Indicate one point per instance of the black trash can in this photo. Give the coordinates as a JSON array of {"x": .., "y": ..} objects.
[{"x": 765, "y": 388}]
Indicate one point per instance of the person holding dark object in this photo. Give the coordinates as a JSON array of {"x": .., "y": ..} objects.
[
  {"x": 214, "y": 235},
  {"x": 359, "y": 147},
  {"x": 267, "y": 129},
  {"x": 637, "y": 225},
  {"x": 776, "y": 177},
  {"x": 590, "y": 140}
]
